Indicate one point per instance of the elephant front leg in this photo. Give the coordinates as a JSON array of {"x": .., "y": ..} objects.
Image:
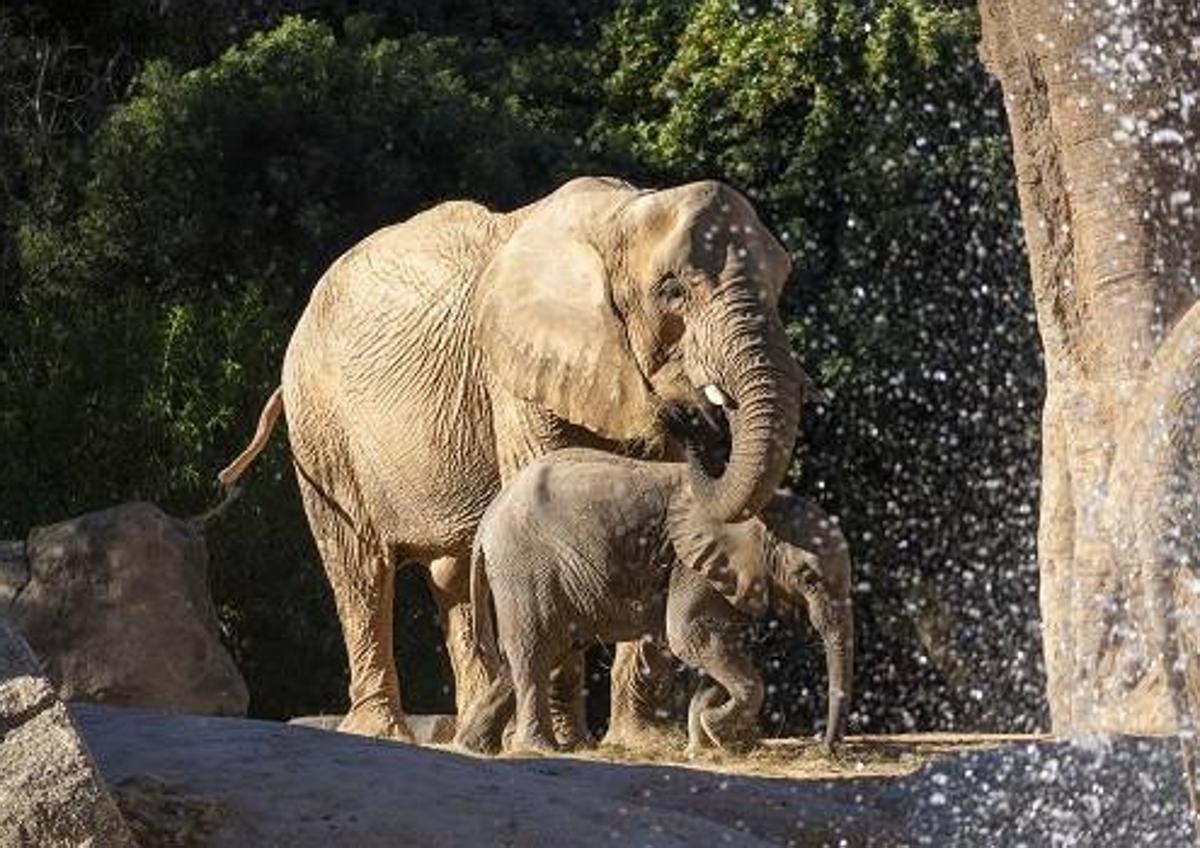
[
  {"x": 733, "y": 725},
  {"x": 708, "y": 695},
  {"x": 643, "y": 683},
  {"x": 724, "y": 710}
]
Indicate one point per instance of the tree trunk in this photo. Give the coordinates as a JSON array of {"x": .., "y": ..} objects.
[{"x": 1103, "y": 112}]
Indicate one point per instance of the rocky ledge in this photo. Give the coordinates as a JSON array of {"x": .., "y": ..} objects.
[{"x": 186, "y": 780}]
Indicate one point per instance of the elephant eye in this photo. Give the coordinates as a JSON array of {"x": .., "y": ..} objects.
[
  {"x": 670, "y": 291},
  {"x": 809, "y": 581}
]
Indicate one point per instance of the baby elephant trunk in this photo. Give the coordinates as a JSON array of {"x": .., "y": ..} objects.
[{"x": 839, "y": 659}]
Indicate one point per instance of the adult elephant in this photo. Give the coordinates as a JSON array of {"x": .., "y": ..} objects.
[{"x": 439, "y": 355}]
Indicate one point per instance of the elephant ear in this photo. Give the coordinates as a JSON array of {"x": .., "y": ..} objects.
[
  {"x": 551, "y": 335},
  {"x": 730, "y": 557}
]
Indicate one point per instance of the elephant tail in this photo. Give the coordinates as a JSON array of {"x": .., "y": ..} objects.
[
  {"x": 483, "y": 623},
  {"x": 266, "y": 423}
]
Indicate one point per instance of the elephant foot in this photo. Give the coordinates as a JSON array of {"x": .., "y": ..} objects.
[
  {"x": 476, "y": 742},
  {"x": 587, "y": 742},
  {"x": 378, "y": 722},
  {"x": 571, "y": 738},
  {"x": 584, "y": 742},
  {"x": 532, "y": 743},
  {"x": 641, "y": 736},
  {"x": 697, "y": 748},
  {"x": 729, "y": 734},
  {"x": 478, "y": 737}
]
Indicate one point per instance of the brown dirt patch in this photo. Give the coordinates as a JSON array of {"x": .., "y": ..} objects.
[{"x": 802, "y": 759}]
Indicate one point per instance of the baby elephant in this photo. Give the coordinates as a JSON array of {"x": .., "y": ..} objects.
[{"x": 583, "y": 546}]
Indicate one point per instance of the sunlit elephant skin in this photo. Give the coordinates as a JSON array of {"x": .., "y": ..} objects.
[
  {"x": 440, "y": 355},
  {"x": 583, "y": 546}
]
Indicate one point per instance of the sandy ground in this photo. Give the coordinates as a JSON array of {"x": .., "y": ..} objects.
[
  {"x": 802, "y": 759},
  {"x": 192, "y": 781}
]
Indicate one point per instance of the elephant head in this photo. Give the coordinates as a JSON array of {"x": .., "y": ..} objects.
[
  {"x": 794, "y": 560},
  {"x": 608, "y": 304},
  {"x": 809, "y": 571}
]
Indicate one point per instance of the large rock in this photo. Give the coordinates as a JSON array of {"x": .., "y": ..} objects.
[
  {"x": 50, "y": 792},
  {"x": 232, "y": 782},
  {"x": 116, "y": 604},
  {"x": 283, "y": 785}
]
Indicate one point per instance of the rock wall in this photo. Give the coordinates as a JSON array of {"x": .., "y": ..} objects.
[{"x": 50, "y": 791}]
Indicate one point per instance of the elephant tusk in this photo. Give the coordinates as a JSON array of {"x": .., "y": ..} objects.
[{"x": 715, "y": 396}]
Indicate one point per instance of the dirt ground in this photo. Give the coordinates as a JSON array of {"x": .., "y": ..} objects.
[{"x": 895, "y": 755}]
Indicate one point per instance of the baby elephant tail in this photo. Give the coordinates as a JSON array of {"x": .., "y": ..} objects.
[{"x": 483, "y": 623}]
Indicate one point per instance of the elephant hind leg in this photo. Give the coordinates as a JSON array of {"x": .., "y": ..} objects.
[
  {"x": 482, "y": 723},
  {"x": 643, "y": 677},
  {"x": 568, "y": 703},
  {"x": 363, "y": 582},
  {"x": 534, "y": 730},
  {"x": 448, "y": 580}
]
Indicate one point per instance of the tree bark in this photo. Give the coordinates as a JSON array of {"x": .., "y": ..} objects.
[{"x": 1103, "y": 112}]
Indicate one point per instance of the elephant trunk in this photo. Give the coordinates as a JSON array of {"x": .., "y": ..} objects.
[
  {"x": 839, "y": 659},
  {"x": 758, "y": 372}
]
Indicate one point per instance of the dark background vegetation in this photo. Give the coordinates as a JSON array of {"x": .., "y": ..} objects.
[{"x": 174, "y": 177}]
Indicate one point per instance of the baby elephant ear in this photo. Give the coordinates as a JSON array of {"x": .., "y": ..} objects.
[
  {"x": 750, "y": 596},
  {"x": 551, "y": 335},
  {"x": 730, "y": 561}
]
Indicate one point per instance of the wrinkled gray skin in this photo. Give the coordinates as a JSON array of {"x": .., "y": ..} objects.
[
  {"x": 583, "y": 546},
  {"x": 438, "y": 356}
]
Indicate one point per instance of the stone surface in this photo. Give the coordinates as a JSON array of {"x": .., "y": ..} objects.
[
  {"x": 261, "y": 783},
  {"x": 117, "y": 607},
  {"x": 50, "y": 791},
  {"x": 431, "y": 729},
  {"x": 161, "y": 816}
]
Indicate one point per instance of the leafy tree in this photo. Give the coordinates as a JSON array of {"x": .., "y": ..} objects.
[{"x": 872, "y": 143}]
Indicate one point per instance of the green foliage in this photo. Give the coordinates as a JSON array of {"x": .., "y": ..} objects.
[
  {"x": 160, "y": 236},
  {"x": 270, "y": 161},
  {"x": 151, "y": 318},
  {"x": 874, "y": 146}
]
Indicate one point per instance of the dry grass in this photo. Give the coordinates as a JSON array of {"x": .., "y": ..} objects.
[
  {"x": 803, "y": 759},
  {"x": 796, "y": 758}
]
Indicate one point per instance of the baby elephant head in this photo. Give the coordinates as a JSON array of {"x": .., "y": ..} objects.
[
  {"x": 793, "y": 559},
  {"x": 808, "y": 563}
]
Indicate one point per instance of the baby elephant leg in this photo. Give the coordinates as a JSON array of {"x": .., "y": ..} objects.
[
  {"x": 568, "y": 706},
  {"x": 483, "y": 722},
  {"x": 708, "y": 694},
  {"x": 717, "y": 649},
  {"x": 534, "y": 730}
]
